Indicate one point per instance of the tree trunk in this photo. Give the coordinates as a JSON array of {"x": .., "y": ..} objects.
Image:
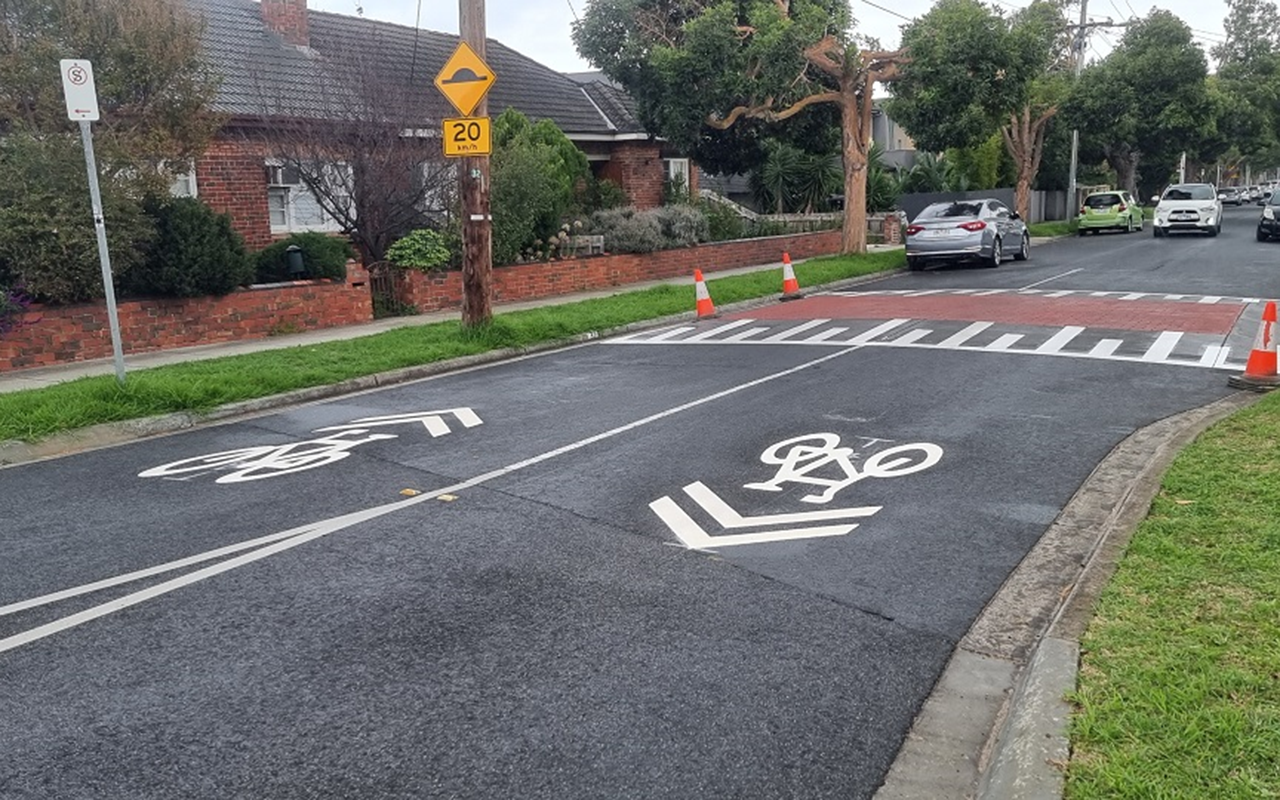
[
  {"x": 853, "y": 238},
  {"x": 1024, "y": 139},
  {"x": 1125, "y": 162}
]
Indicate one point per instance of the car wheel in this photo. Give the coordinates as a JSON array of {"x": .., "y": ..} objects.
[
  {"x": 1024, "y": 250},
  {"x": 1262, "y": 237},
  {"x": 1080, "y": 231},
  {"x": 1213, "y": 231},
  {"x": 997, "y": 254},
  {"x": 915, "y": 263},
  {"x": 1157, "y": 232}
]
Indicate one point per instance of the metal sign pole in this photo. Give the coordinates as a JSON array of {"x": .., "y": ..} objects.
[{"x": 100, "y": 225}]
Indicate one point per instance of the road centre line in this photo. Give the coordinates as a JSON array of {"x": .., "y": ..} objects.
[
  {"x": 1054, "y": 278},
  {"x": 286, "y": 540}
]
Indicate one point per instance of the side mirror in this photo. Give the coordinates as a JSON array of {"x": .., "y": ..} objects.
[
  {"x": 1014, "y": 215},
  {"x": 1155, "y": 198}
]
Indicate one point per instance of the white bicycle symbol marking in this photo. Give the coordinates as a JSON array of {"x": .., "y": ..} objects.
[
  {"x": 269, "y": 461},
  {"x": 800, "y": 457}
]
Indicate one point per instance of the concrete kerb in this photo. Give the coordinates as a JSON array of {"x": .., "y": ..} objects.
[
  {"x": 995, "y": 725},
  {"x": 113, "y": 433}
]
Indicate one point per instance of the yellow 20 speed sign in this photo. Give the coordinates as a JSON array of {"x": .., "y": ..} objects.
[{"x": 467, "y": 136}]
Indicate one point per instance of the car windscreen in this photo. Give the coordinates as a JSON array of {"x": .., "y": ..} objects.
[
  {"x": 1102, "y": 200},
  {"x": 944, "y": 210},
  {"x": 1189, "y": 193}
]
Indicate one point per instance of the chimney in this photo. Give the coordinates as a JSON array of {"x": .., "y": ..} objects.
[{"x": 289, "y": 19}]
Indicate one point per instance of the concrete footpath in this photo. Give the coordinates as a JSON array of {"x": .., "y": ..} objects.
[{"x": 995, "y": 726}]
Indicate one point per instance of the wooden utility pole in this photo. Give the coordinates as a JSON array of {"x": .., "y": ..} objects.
[{"x": 477, "y": 223}]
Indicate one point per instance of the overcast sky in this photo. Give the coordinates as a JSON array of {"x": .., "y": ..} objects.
[{"x": 540, "y": 29}]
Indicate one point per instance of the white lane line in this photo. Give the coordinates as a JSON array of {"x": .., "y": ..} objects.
[
  {"x": 1162, "y": 347},
  {"x": 1101, "y": 294},
  {"x": 1105, "y": 348},
  {"x": 1060, "y": 339},
  {"x": 925, "y": 292},
  {"x": 878, "y": 330},
  {"x": 1250, "y": 300},
  {"x": 1174, "y": 296},
  {"x": 1061, "y": 294},
  {"x": 707, "y": 334},
  {"x": 667, "y": 334},
  {"x": 963, "y": 291},
  {"x": 1211, "y": 355},
  {"x": 789, "y": 332},
  {"x": 825, "y": 335},
  {"x": 1210, "y": 299},
  {"x": 911, "y": 336},
  {"x": 989, "y": 292},
  {"x": 1004, "y": 342},
  {"x": 1133, "y": 296},
  {"x": 743, "y": 335},
  {"x": 960, "y": 337},
  {"x": 1054, "y": 278},
  {"x": 315, "y": 530}
]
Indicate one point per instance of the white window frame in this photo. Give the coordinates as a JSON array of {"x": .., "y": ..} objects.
[
  {"x": 292, "y": 192},
  {"x": 677, "y": 167},
  {"x": 189, "y": 177}
]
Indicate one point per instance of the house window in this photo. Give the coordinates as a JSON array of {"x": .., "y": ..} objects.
[
  {"x": 184, "y": 185},
  {"x": 677, "y": 171},
  {"x": 291, "y": 206}
]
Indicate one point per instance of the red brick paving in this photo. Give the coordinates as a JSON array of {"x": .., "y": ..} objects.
[{"x": 1056, "y": 312}]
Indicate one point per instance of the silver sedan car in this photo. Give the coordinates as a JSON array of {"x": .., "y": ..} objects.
[{"x": 982, "y": 230}]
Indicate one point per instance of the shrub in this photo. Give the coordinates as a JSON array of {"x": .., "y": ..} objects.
[
  {"x": 723, "y": 223},
  {"x": 525, "y": 201},
  {"x": 599, "y": 194},
  {"x": 422, "y": 249},
  {"x": 626, "y": 230},
  {"x": 682, "y": 225},
  {"x": 323, "y": 256},
  {"x": 195, "y": 252},
  {"x": 48, "y": 243}
]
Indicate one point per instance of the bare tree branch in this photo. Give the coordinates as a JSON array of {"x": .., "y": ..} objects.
[{"x": 765, "y": 110}]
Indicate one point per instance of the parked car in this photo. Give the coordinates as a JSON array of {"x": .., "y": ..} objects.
[
  {"x": 1269, "y": 221},
  {"x": 1109, "y": 211},
  {"x": 982, "y": 230},
  {"x": 1231, "y": 196},
  {"x": 1188, "y": 207}
]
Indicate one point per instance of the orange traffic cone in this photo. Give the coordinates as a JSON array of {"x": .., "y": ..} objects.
[
  {"x": 1260, "y": 369},
  {"x": 790, "y": 286},
  {"x": 705, "y": 308}
]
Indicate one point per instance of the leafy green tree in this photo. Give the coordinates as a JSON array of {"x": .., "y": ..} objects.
[
  {"x": 1246, "y": 87},
  {"x": 974, "y": 73},
  {"x": 1146, "y": 103},
  {"x": 153, "y": 93},
  {"x": 714, "y": 64}
]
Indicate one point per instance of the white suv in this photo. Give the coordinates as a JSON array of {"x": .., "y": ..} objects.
[{"x": 1188, "y": 207}]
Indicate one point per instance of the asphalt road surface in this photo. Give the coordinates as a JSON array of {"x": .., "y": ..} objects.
[{"x": 723, "y": 559}]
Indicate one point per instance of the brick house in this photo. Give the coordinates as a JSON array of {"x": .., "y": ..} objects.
[{"x": 280, "y": 62}]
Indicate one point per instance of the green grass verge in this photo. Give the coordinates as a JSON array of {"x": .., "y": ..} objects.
[
  {"x": 199, "y": 386},
  {"x": 1061, "y": 228},
  {"x": 1179, "y": 688}
]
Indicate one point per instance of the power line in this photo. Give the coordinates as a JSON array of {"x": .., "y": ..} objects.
[{"x": 889, "y": 11}]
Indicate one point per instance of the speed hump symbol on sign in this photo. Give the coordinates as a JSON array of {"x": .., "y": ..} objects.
[{"x": 467, "y": 136}]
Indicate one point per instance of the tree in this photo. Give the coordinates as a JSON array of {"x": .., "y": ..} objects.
[
  {"x": 695, "y": 67},
  {"x": 974, "y": 73},
  {"x": 1247, "y": 84},
  {"x": 153, "y": 93},
  {"x": 360, "y": 149},
  {"x": 1146, "y": 103}
]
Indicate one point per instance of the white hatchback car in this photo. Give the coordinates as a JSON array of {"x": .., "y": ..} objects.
[{"x": 1188, "y": 207}]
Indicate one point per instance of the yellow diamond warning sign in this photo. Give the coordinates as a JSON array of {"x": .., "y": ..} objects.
[
  {"x": 467, "y": 137},
  {"x": 465, "y": 79}
]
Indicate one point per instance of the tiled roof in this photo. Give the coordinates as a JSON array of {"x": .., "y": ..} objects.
[{"x": 264, "y": 76}]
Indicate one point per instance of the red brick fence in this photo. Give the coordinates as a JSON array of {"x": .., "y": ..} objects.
[{"x": 55, "y": 335}]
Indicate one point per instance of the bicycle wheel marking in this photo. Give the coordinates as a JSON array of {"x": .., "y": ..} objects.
[{"x": 270, "y": 461}]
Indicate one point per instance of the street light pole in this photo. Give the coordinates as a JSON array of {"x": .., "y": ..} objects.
[{"x": 1078, "y": 46}]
